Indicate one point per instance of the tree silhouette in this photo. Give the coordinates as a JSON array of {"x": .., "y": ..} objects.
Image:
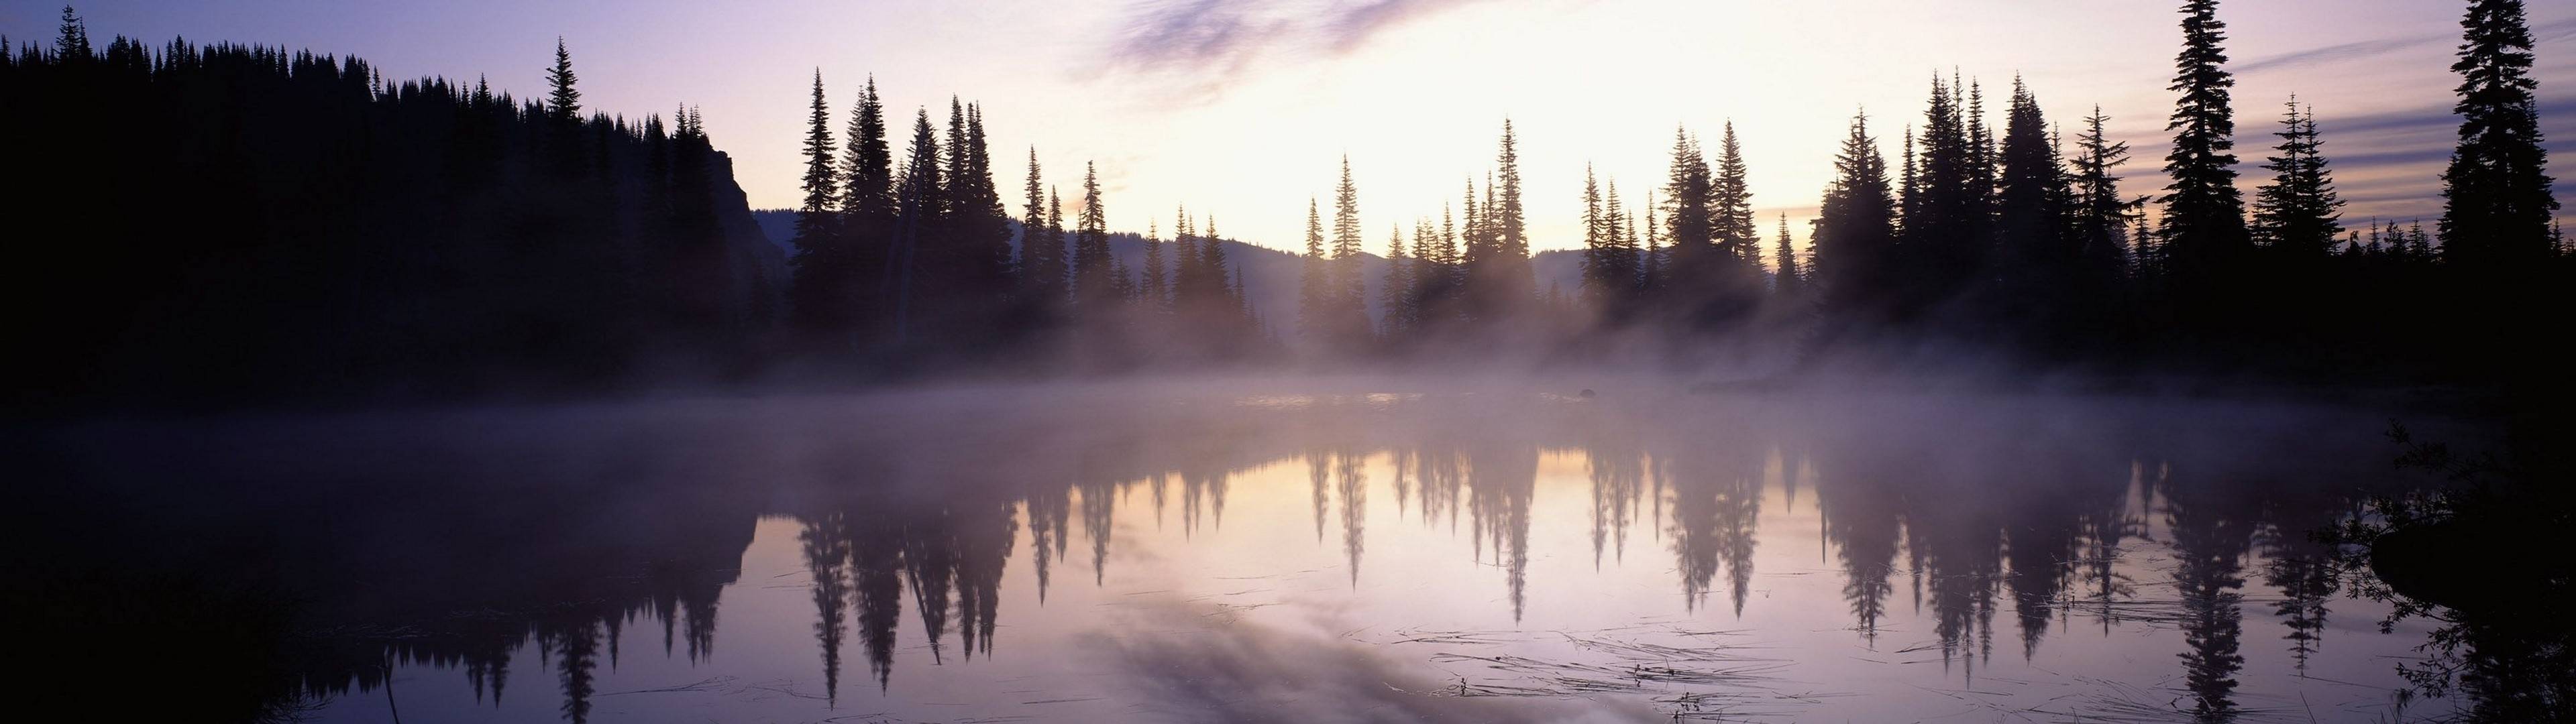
[
  {"x": 2203, "y": 227},
  {"x": 2296, "y": 214},
  {"x": 2497, "y": 206}
]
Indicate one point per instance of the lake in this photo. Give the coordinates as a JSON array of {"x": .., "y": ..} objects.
[{"x": 1188, "y": 552}]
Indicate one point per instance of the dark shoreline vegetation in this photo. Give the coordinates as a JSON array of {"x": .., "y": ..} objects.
[
  {"x": 353, "y": 240},
  {"x": 220, "y": 228}
]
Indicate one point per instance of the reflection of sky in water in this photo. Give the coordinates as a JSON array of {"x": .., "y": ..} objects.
[{"x": 1457, "y": 578}]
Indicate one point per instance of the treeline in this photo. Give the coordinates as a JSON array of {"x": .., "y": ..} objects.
[
  {"x": 230, "y": 221},
  {"x": 909, "y": 266},
  {"x": 2018, "y": 238},
  {"x": 2017, "y": 242}
]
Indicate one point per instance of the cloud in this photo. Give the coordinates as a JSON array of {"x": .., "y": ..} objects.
[
  {"x": 1199, "y": 45},
  {"x": 2334, "y": 53}
]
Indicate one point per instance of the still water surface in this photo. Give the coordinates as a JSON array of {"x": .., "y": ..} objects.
[{"x": 1188, "y": 555}]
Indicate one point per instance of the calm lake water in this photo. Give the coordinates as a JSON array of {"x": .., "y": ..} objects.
[{"x": 1176, "y": 554}]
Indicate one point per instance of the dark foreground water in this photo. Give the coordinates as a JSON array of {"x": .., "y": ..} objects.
[{"x": 1127, "y": 554}]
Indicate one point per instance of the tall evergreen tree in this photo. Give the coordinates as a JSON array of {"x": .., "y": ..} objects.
[
  {"x": 1788, "y": 281},
  {"x": 2296, "y": 213},
  {"x": 2498, "y": 206},
  {"x": 2101, "y": 216},
  {"x": 1395, "y": 292},
  {"x": 1153, "y": 284},
  {"x": 2204, "y": 217},
  {"x": 563, "y": 101},
  {"x": 1043, "y": 271},
  {"x": 1730, "y": 203},
  {"x": 917, "y": 211},
  {"x": 1855, "y": 234},
  {"x": 820, "y": 292},
  {"x": 1094, "y": 286},
  {"x": 1314, "y": 280},
  {"x": 2035, "y": 265}
]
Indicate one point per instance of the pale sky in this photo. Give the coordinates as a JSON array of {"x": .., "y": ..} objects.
[{"x": 1243, "y": 108}]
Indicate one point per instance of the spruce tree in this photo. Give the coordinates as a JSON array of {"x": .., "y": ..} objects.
[
  {"x": 1314, "y": 279},
  {"x": 917, "y": 209},
  {"x": 2497, "y": 204},
  {"x": 1787, "y": 280},
  {"x": 563, "y": 101},
  {"x": 1094, "y": 284},
  {"x": 2034, "y": 260},
  {"x": 2203, "y": 230},
  {"x": 820, "y": 290},
  {"x": 1730, "y": 203},
  {"x": 1153, "y": 284},
  {"x": 1043, "y": 273},
  {"x": 1349, "y": 287},
  {"x": 1396, "y": 290},
  {"x": 2101, "y": 216},
  {"x": 2295, "y": 214},
  {"x": 867, "y": 170},
  {"x": 72, "y": 48},
  {"x": 1855, "y": 234}
]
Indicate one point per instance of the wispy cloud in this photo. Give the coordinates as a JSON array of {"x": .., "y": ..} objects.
[
  {"x": 2333, "y": 53},
  {"x": 1199, "y": 45}
]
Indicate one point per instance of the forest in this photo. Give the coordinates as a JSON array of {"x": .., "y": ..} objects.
[{"x": 246, "y": 222}]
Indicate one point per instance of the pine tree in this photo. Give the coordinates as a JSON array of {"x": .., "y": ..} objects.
[
  {"x": 71, "y": 45},
  {"x": 2204, "y": 217},
  {"x": 563, "y": 101},
  {"x": 1154, "y": 285},
  {"x": 867, "y": 169},
  {"x": 1596, "y": 244},
  {"x": 1944, "y": 242},
  {"x": 2498, "y": 206},
  {"x": 1787, "y": 280},
  {"x": 1620, "y": 262},
  {"x": 917, "y": 210},
  {"x": 2101, "y": 216},
  {"x": 1094, "y": 284},
  {"x": 1043, "y": 271},
  {"x": 1855, "y": 234},
  {"x": 1730, "y": 204},
  {"x": 1314, "y": 279},
  {"x": 1396, "y": 291},
  {"x": 1689, "y": 226},
  {"x": 1348, "y": 289},
  {"x": 1497, "y": 280},
  {"x": 820, "y": 292},
  {"x": 2296, "y": 213},
  {"x": 2034, "y": 260}
]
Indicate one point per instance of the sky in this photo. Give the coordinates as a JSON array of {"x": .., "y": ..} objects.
[{"x": 1243, "y": 109}]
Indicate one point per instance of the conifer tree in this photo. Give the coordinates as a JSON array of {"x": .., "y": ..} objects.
[
  {"x": 1043, "y": 271},
  {"x": 917, "y": 210},
  {"x": 2034, "y": 260},
  {"x": 1855, "y": 234},
  {"x": 2497, "y": 204},
  {"x": 1154, "y": 285},
  {"x": 1349, "y": 286},
  {"x": 563, "y": 101},
  {"x": 1620, "y": 237},
  {"x": 1396, "y": 291},
  {"x": 1689, "y": 226},
  {"x": 1730, "y": 203},
  {"x": 1787, "y": 280},
  {"x": 2101, "y": 216},
  {"x": 1596, "y": 243},
  {"x": 820, "y": 292},
  {"x": 867, "y": 169},
  {"x": 2295, "y": 214},
  {"x": 1314, "y": 279},
  {"x": 2204, "y": 218},
  {"x": 1094, "y": 284}
]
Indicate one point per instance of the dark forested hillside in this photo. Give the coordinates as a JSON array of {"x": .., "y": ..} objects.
[{"x": 238, "y": 221}]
